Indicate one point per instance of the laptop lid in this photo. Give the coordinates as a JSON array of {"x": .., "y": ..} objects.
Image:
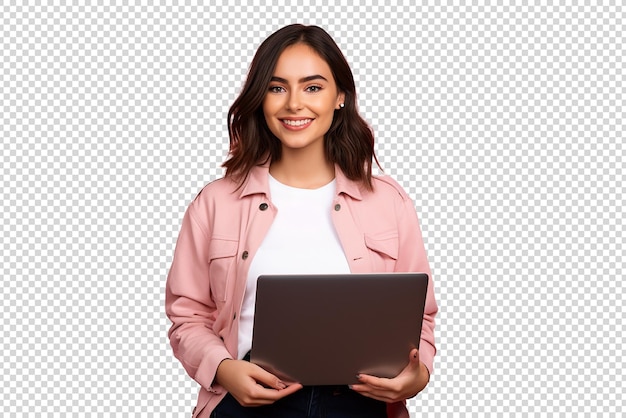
[{"x": 325, "y": 329}]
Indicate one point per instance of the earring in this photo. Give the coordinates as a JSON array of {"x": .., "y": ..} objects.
[{"x": 342, "y": 105}]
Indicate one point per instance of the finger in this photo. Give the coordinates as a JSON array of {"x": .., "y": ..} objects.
[
  {"x": 374, "y": 382},
  {"x": 414, "y": 357},
  {"x": 373, "y": 393},
  {"x": 267, "y": 379},
  {"x": 265, "y": 396},
  {"x": 379, "y": 388},
  {"x": 254, "y": 398},
  {"x": 289, "y": 390}
]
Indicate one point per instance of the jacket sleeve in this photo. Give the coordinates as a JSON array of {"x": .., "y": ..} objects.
[
  {"x": 189, "y": 306},
  {"x": 412, "y": 258}
]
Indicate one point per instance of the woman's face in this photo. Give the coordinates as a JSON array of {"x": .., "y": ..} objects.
[{"x": 301, "y": 99}]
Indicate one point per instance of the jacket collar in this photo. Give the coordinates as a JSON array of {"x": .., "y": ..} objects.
[{"x": 258, "y": 183}]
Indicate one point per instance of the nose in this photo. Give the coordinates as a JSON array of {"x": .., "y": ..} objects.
[{"x": 294, "y": 101}]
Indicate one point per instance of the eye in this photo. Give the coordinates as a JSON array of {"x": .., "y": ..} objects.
[
  {"x": 276, "y": 89},
  {"x": 313, "y": 89}
]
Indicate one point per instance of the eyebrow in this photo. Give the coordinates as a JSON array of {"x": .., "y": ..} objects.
[{"x": 302, "y": 80}]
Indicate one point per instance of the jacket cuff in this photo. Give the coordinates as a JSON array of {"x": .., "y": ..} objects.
[
  {"x": 207, "y": 369},
  {"x": 427, "y": 355}
]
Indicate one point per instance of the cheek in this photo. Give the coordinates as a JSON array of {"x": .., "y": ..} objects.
[
  {"x": 325, "y": 107},
  {"x": 266, "y": 107},
  {"x": 268, "y": 111}
]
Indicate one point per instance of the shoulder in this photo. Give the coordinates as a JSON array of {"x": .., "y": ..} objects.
[
  {"x": 217, "y": 189},
  {"x": 387, "y": 187},
  {"x": 218, "y": 194},
  {"x": 217, "y": 204}
]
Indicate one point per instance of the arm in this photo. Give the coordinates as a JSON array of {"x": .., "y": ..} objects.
[
  {"x": 194, "y": 313},
  {"x": 411, "y": 258},
  {"x": 189, "y": 306}
]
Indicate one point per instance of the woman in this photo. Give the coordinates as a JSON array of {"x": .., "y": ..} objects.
[{"x": 298, "y": 196}]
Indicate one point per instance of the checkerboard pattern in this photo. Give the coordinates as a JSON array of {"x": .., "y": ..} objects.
[{"x": 505, "y": 123}]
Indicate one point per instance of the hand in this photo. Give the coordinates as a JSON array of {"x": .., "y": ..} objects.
[
  {"x": 411, "y": 380},
  {"x": 250, "y": 385}
]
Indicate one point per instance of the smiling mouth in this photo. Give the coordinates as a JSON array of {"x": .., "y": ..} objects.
[{"x": 296, "y": 123}]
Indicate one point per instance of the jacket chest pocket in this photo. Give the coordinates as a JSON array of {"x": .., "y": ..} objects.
[
  {"x": 383, "y": 250},
  {"x": 222, "y": 253}
]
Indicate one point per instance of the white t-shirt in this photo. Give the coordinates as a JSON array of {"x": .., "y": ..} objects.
[{"x": 301, "y": 240}]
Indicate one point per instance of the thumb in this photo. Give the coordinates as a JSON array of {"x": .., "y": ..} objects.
[{"x": 414, "y": 357}]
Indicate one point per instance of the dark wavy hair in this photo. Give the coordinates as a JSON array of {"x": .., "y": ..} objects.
[{"x": 349, "y": 142}]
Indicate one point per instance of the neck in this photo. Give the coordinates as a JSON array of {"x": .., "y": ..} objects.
[{"x": 302, "y": 170}]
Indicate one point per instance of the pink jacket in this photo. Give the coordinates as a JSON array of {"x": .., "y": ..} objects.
[{"x": 223, "y": 228}]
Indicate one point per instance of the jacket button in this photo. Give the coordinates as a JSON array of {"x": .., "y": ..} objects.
[
  {"x": 234, "y": 316},
  {"x": 337, "y": 207},
  {"x": 244, "y": 255},
  {"x": 263, "y": 206}
]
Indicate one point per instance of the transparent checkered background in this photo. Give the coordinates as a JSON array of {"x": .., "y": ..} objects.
[{"x": 505, "y": 123}]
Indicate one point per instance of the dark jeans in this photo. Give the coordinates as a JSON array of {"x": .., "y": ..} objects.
[{"x": 308, "y": 402}]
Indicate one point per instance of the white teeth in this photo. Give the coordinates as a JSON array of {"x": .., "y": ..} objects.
[{"x": 296, "y": 122}]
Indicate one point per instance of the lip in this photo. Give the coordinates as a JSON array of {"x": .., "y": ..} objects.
[{"x": 295, "y": 128}]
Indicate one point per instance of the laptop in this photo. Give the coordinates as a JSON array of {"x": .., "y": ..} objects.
[{"x": 325, "y": 329}]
